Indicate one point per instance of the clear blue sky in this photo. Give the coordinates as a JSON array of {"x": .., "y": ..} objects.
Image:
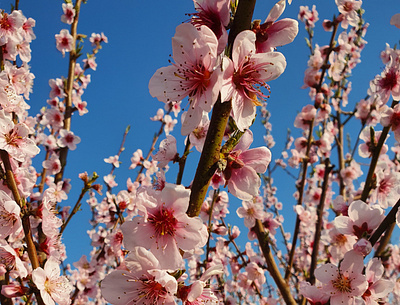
[{"x": 139, "y": 34}]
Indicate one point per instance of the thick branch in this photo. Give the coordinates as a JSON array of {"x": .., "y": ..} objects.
[{"x": 219, "y": 119}]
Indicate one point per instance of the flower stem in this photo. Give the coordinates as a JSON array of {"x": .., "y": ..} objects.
[{"x": 68, "y": 89}]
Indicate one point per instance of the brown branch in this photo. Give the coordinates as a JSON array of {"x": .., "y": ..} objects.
[
  {"x": 318, "y": 225},
  {"x": 219, "y": 119},
  {"x": 385, "y": 224},
  {"x": 272, "y": 267},
  {"x": 209, "y": 156},
  {"x": 12, "y": 185},
  {"x": 299, "y": 202},
  {"x": 374, "y": 160},
  {"x": 182, "y": 162}
]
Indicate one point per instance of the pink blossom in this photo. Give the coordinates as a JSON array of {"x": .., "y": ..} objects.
[
  {"x": 243, "y": 166},
  {"x": 136, "y": 159},
  {"x": 10, "y": 101},
  {"x": 340, "y": 244},
  {"x": 96, "y": 39},
  {"x": 348, "y": 9},
  {"x": 345, "y": 282},
  {"x": 195, "y": 54},
  {"x": 309, "y": 17},
  {"x": 245, "y": 73},
  {"x": 169, "y": 124},
  {"x": 216, "y": 16},
  {"x": 114, "y": 160},
  {"x": 80, "y": 106},
  {"x": 363, "y": 219},
  {"x": 68, "y": 139},
  {"x": 53, "y": 164},
  {"x": 54, "y": 118},
  {"x": 64, "y": 41},
  {"x": 305, "y": 117},
  {"x": 27, "y": 31},
  {"x": 57, "y": 88},
  {"x": 15, "y": 139},
  {"x": 90, "y": 62},
  {"x": 10, "y": 260},
  {"x": 250, "y": 211},
  {"x": 363, "y": 247},
  {"x": 387, "y": 190},
  {"x": 110, "y": 180},
  {"x": 315, "y": 295},
  {"x": 378, "y": 288},
  {"x": 167, "y": 152},
  {"x": 274, "y": 33},
  {"x": 144, "y": 282},
  {"x": 395, "y": 20},
  {"x": 391, "y": 117},
  {"x": 198, "y": 135},
  {"x": 388, "y": 82},
  {"x": 167, "y": 228},
  {"x": 69, "y": 13},
  {"x": 53, "y": 287},
  {"x": 365, "y": 149},
  {"x": 11, "y": 26},
  {"x": 159, "y": 116}
]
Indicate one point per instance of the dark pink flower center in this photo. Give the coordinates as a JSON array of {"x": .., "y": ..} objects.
[
  {"x": 395, "y": 120},
  {"x": 5, "y": 23},
  {"x": 210, "y": 18},
  {"x": 65, "y": 41},
  {"x": 13, "y": 138},
  {"x": 69, "y": 138},
  {"x": 360, "y": 231},
  {"x": 390, "y": 80},
  {"x": 164, "y": 222},
  {"x": 247, "y": 80},
  {"x": 348, "y": 6},
  {"x": 196, "y": 78},
  {"x": 150, "y": 292}
]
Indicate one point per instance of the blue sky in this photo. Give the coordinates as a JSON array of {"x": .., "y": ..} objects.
[{"x": 139, "y": 34}]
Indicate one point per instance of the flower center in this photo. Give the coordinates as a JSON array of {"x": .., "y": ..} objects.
[
  {"x": 208, "y": 17},
  {"x": 151, "y": 291},
  {"x": 5, "y": 23},
  {"x": 342, "y": 284},
  {"x": 164, "y": 222},
  {"x": 247, "y": 80},
  {"x": 197, "y": 78},
  {"x": 390, "y": 80}
]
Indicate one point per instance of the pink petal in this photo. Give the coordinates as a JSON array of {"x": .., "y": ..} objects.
[
  {"x": 116, "y": 288},
  {"x": 244, "y": 111},
  {"x": 243, "y": 45},
  {"x": 257, "y": 158},
  {"x": 244, "y": 183},
  {"x": 245, "y": 141},
  {"x": 280, "y": 33},
  {"x": 395, "y": 20},
  {"x": 163, "y": 83},
  {"x": 276, "y": 11}
]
